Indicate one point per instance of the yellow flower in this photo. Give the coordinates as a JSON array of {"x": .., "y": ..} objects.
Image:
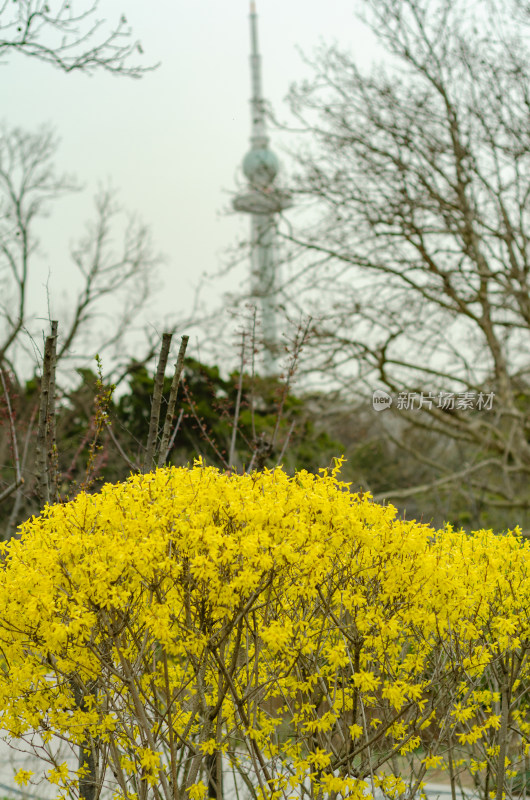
[
  {"x": 22, "y": 777},
  {"x": 149, "y": 760},
  {"x": 355, "y": 731},
  {"x": 58, "y": 774},
  {"x": 197, "y": 791},
  {"x": 210, "y": 746}
]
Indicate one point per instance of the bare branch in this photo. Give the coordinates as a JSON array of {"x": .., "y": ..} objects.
[
  {"x": 28, "y": 181},
  {"x": 156, "y": 403},
  {"x": 71, "y": 41},
  {"x": 235, "y": 423},
  {"x": 18, "y": 475},
  {"x": 167, "y": 438},
  {"x": 415, "y": 261},
  {"x": 44, "y": 461}
]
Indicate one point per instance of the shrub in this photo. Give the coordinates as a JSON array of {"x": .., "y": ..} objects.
[{"x": 189, "y": 627}]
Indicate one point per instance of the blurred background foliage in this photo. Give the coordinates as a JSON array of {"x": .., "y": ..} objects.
[{"x": 313, "y": 428}]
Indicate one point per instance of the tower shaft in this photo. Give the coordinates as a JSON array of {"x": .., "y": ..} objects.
[
  {"x": 263, "y": 283},
  {"x": 263, "y": 201}
]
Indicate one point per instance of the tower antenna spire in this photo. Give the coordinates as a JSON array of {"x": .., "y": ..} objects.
[
  {"x": 259, "y": 136},
  {"x": 263, "y": 200}
]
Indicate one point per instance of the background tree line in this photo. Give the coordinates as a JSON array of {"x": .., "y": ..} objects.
[{"x": 239, "y": 422}]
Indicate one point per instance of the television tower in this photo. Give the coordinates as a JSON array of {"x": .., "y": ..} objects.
[{"x": 262, "y": 200}]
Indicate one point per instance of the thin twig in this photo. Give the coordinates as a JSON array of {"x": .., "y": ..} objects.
[
  {"x": 131, "y": 464},
  {"x": 235, "y": 423},
  {"x": 10, "y": 489},
  {"x": 175, "y": 431},
  {"x": 203, "y": 430},
  {"x": 18, "y": 499},
  {"x": 286, "y": 443},
  {"x": 96, "y": 455},
  {"x": 44, "y": 443},
  {"x": 156, "y": 403},
  {"x": 293, "y": 365},
  {"x": 262, "y": 451},
  {"x": 253, "y": 376},
  {"x": 18, "y": 476},
  {"x": 170, "y": 415},
  {"x": 51, "y": 421}
]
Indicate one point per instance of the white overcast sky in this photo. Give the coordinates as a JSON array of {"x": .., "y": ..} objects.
[{"x": 172, "y": 142}]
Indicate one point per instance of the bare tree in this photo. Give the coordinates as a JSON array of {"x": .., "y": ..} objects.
[
  {"x": 114, "y": 257},
  {"x": 28, "y": 181},
  {"x": 68, "y": 34},
  {"x": 416, "y": 261}
]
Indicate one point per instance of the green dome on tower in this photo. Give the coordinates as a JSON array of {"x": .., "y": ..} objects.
[{"x": 261, "y": 166}]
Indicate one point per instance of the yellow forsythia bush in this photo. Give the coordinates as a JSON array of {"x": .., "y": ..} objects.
[{"x": 190, "y": 632}]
